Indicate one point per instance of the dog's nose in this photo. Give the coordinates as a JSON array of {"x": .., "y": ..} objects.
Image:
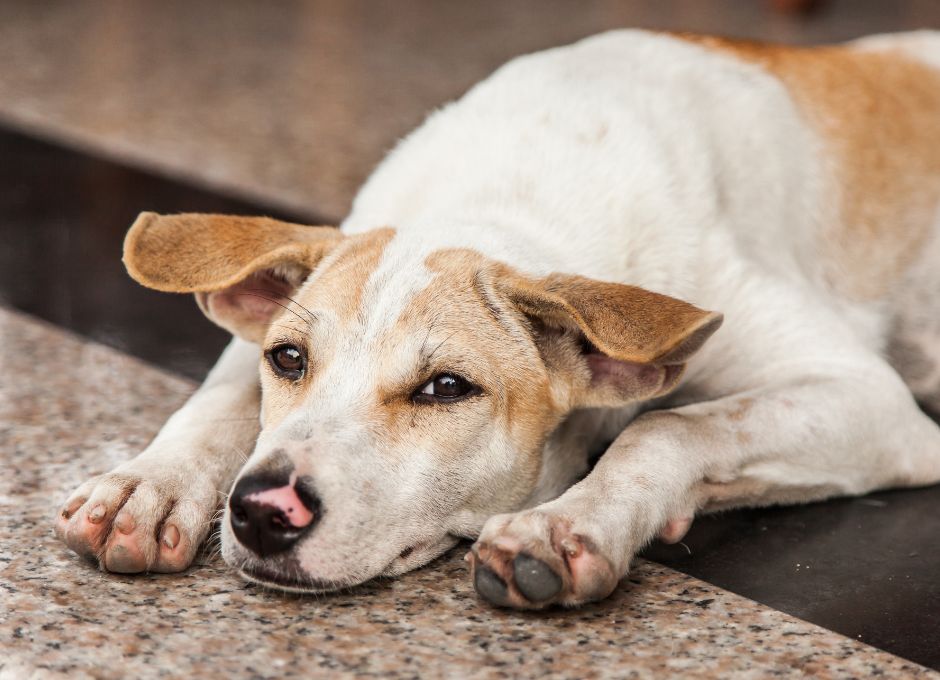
[{"x": 269, "y": 514}]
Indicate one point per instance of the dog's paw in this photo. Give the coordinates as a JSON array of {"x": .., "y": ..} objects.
[
  {"x": 532, "y": 559},
  {"x": 134, "y": 520}
]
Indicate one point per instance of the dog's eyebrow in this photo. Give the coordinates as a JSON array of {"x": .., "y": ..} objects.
[
  {"x": 430, "y": 355},
  {"x": 426, "y": 355}
]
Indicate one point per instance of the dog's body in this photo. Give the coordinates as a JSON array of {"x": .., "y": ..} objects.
[{"x": 795, "y": 191}]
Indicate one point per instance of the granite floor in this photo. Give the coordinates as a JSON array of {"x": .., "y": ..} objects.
[{"x": 282, "y": 112}]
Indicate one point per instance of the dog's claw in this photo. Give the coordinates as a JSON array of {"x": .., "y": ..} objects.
[
  {"x": 572, "y": 548},
  {"x": 96, "y": 514},
  {"x": 171, "y": 537}
]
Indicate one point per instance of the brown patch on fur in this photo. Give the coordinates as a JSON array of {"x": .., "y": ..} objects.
[
  {"x": 506, "y": 333},
  {"x": 195, "y": 252},
  {"x": 643, "y": 339},
  {"x": 741, "y": 410},
  {"x": 878, "y": 115},
  {"x": 459, "y": 329}
]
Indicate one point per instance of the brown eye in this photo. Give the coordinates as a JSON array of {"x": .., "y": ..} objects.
[
  {"x": 445, "y": 387},
  {"x": 287, "y": 361}
]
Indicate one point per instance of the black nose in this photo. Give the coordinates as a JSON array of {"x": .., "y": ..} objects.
[{"x": 269, "y": 513}]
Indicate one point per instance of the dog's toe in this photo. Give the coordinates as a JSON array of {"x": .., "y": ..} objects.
[
  {"x": 132, "y": 525},
  {"x": 491, "y": 587},
  {"x": 535, "y": 580},
  {"x": 124, "y": 556}
]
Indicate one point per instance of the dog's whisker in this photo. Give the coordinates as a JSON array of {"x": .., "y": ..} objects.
[
  {"x": 313, "y": 316},
  {"x": 282, "y": 306}
]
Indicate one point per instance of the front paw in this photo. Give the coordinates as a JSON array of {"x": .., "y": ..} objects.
[
  {"x": 138, "y": 519},
  {"x": 535, "y": 558}
]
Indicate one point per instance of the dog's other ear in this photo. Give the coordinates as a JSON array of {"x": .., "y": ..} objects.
[
  {"x": 632, "y": 343},
  {"x": 240, "y": 268}
]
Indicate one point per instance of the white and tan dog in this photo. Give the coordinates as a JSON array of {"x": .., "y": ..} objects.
[{"x": 522, "y": 282}]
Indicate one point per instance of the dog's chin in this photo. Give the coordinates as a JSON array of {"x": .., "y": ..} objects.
[
  {"x": 288, "y": 583},
  {"x": 289, "y": 578}
]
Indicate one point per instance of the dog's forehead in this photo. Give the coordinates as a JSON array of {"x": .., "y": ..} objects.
[{"x": 380, "y": 281}]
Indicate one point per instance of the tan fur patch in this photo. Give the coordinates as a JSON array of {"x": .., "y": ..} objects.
[
  {"x": 342, "y": 281},
  {"x": 467, "y": 334},
  {"x": 626, "y": 322},
  {"x": 878, "y": 115}
]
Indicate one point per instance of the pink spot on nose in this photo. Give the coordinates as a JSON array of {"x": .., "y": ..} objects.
[{"x": 285, "y": 499}]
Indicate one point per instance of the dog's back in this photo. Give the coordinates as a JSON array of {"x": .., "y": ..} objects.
[{"x": 875, "y": 105}]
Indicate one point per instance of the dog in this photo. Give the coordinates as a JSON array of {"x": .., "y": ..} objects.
[{"x": 616, "y": 284}]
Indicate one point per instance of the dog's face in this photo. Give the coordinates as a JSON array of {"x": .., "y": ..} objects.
[{"x": 408, "y": 394}]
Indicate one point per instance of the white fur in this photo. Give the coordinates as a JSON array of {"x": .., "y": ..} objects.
[{"x": 640, "y": 159}]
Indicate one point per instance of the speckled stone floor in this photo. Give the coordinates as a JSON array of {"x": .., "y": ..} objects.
[{"x": 290, "y": 106}]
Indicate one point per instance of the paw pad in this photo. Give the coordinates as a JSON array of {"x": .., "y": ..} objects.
[
  {"x": 535, "y": 579},
  {"x": 534, "y": 559}
]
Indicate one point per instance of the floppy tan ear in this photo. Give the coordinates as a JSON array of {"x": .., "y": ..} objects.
[
  {"x": 239, "y": 267},
  {"x": 638, "y": 341}
]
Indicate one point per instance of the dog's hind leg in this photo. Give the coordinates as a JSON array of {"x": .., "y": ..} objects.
[
  {"x": 915, "y": 352},
  {"x": 914, "y": 340},
  {"x": 845, "y": 425},
  {"x": 153, "y": 512}
]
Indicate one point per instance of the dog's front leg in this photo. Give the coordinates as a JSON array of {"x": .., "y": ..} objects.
[
  {"x": 806, "y": 439},
  {"x": 153, "y": 512}
]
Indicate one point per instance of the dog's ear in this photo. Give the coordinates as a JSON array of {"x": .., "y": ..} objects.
[
  {"x": 240, "y": 268},
  {"x": 632, "y": 343}
]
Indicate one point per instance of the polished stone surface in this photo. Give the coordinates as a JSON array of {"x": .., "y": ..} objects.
[
  {"x": 295, "y": 101},
  {"x": 84, "y": 408}
]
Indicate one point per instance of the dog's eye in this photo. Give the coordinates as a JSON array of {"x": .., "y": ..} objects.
[
  {"x": 445, "y": 387},
  {"x": 287, "y": 361}
]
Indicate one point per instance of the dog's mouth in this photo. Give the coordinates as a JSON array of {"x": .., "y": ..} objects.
[
  {"x": 287, "y": 577},
  {"x": 291, "y": 583}
]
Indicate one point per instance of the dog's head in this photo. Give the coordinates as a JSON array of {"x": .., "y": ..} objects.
[{"x": 407, "y": 394}]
